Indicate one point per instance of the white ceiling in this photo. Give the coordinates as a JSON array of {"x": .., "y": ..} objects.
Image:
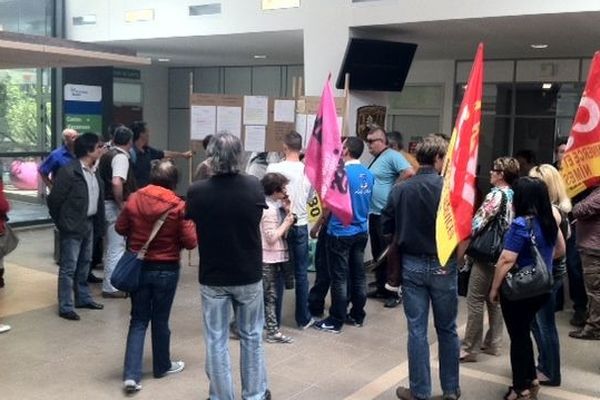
[
  {"x": 284, "y": 47},
  {"x": 568, "y": 35}
]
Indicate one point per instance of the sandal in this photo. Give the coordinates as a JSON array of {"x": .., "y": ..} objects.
[{"x": 512, "y": 394}]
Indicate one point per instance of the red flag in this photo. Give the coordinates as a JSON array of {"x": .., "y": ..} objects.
[
  {"x": 455, "y": 212},
  {"x": 324, "y": 163},
  {"x": 580, "y": 167}
]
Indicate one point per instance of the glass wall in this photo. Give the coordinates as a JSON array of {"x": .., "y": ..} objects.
[{"x": 25, "y": 114}]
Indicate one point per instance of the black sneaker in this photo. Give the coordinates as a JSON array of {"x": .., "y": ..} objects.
[
  {"x": 328, "y": 325},
  {"x": 350, "y": 320}
]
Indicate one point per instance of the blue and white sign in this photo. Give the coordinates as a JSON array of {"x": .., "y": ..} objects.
[{"x": 83, "y": 93}]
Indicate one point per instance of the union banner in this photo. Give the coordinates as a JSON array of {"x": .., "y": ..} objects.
[
  {"x": 455, "y": 212},
  {"x": 580, "y": 166}
]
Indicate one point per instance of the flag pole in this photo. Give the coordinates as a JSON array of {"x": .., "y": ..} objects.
[
  {"x": 346, "y": 111},
  {"x": 191, "y": 159}
]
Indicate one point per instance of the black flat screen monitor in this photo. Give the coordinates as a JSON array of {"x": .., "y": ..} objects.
[{"x": 376, "y": 65}]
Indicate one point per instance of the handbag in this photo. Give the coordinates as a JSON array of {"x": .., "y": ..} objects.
[
  {"x": 531, "y": 280},
  {"x": 126, "y": 276},
  {"x": 8, "y": 240},
  {"x": 487, "y": 245}
]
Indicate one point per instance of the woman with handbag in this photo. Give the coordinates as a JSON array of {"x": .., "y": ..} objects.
[
  {"x": 524, "y": 272},
  {"x": 153, "y": 298},
  {"x": 544, "y": 325},
  {"x": 492, "y": 218}
]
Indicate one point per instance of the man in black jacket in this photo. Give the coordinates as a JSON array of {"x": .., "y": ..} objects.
[{"x": 77, "y": 208}]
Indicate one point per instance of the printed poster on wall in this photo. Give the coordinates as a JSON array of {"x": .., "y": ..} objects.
[
  {"x": 256, "y": 110},
  {"x": 203, "y": 121}
]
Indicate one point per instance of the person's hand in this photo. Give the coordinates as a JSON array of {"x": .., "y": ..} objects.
[
  {"x": 494, "y": 295},
  {"x": 314, "y": 231},
  {"x": 289, "y": 219},
  {"x": 187, "y": 154}
]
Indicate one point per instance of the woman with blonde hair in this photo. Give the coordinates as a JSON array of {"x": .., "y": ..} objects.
[{"x": 544, "y": 324}]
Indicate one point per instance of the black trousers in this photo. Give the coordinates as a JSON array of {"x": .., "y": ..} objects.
[
  {"x": 317, "y": 294},
  {"x": 378, "y": 244},
  {"x": 518, "y": 316}
]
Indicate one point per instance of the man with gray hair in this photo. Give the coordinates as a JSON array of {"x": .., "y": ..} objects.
[{"x": 227, "y": 209}]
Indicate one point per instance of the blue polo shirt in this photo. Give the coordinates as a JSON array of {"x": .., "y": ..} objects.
[
  {"x": 386, "y": 169},
  {"x": 360, "y": 184},
  {"x": 56, "y": 159}
]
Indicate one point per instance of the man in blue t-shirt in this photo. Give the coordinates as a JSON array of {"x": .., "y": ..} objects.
[
  {"x": 347, "y": 244},
  {"x": 59, "y": 157},
  {"x": 388, "y": 167}
]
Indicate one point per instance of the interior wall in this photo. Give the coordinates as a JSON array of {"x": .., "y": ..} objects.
[{"x": 155, "y": 81}]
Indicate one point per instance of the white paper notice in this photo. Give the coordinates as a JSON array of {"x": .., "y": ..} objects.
[
  {"x": 301, "y": 127},
  {"x": 202, "y": 122},
  {"x": 283, "y": 110},
  {"x": 229, "y": 119},
  {"x": 256, "y": 110},
  {"x": 255, "y": 138}
]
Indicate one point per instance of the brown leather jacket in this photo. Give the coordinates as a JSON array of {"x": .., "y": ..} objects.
[{"x": 587, "y": 213}]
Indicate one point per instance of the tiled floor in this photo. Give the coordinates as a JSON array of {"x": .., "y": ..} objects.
[{"x": 45, "y": 357}]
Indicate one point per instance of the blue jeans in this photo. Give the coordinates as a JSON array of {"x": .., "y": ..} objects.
[
  {"x": 546, "y": 337},
  {"x": 75, "y": 258},
  {"x": 425, "y": 282},
  {"x": 298, "y": 245},
  {"x": 248, "y": 307},
  {"x": 151, "y": 302},
  {"x": 347, "y": 271}
]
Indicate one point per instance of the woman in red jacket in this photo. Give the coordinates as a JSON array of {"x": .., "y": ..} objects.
[
  {"x": 160, "y": 272},
  {"x": 4, "y": 207}
]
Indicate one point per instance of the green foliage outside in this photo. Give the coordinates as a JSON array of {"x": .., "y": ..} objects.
[{"x": 19, "y": 116}]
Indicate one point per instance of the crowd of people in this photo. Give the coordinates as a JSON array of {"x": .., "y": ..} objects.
[{"x": 252, "y": 233}]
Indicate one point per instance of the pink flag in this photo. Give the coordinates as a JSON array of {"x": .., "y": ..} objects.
[{"x": 324, "y": 163}]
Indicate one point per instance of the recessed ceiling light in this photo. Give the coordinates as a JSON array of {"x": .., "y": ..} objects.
[
  {"x": 539, "y": 46},
  {"x": 164, "y": 59},
  {"x": 260, "y": 56},
  {"x": 546, "y": 86}
]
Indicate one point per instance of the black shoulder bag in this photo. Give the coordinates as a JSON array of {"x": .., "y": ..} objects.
[
  {"x": 531, "y": 280},
  {"x": 487, "y": 245}
]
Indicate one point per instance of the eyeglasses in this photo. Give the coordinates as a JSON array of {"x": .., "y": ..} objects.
[{"x": 370, "y": 141}]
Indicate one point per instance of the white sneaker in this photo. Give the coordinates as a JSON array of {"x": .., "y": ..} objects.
[
  {"x": 310, "y": 323},
  {"x": 131, "y": 386},
  {"x": 4, "y": 328},
  {"x": 176, "y": 367}
]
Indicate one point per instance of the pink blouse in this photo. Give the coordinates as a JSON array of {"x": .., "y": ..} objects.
[{"x": 273, "y": 239}]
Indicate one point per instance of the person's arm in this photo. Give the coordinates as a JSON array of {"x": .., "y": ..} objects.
[
  {"x": 488, "y": 209},
  {"x": 58, "y": 194},
  {"x": 402, "y": 167},
  {"x": 505, "y": 262},
  {"x": 44, "y": 170},
  {"x": 178, "y": 154},
  {"x": 117, "y": 187},
  {"x": 269, "y": 225},
  {"x": 314, "y": 231},
  {"x": 589, "y": 206},
  {"x": 560, "y": 247},
  {"x": 4, "y": 205},
  {"x": 388, "y": 214},
  {"x": 187, "y": 233},
  {"x": 123, "y": 223}
]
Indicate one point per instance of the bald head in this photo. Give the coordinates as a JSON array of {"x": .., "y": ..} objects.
[
  {"x": 69, "y": 135},
  {"x": 164, "y": 173}
]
